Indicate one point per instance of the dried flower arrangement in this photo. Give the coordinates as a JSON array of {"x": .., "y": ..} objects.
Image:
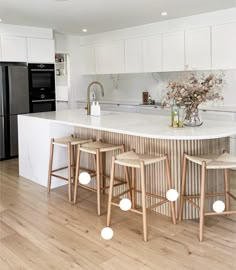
[{"x": 195, "y": 91}]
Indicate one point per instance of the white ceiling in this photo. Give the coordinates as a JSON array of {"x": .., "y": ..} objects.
[{"x": 71, "y": 16}]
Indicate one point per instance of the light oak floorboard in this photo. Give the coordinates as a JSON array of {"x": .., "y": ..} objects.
[{"x": 41, "y": 231}]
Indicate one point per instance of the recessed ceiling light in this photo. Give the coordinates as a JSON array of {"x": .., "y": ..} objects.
[
  {"x": 164, "y": 13},
  {"x": 0, "y": 20},
  {"x": 85, "y": 30}
]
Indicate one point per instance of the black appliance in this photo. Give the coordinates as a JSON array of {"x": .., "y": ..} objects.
[
  {"x": 14, "y": 100},
  {"x": 42, "y": 87}
]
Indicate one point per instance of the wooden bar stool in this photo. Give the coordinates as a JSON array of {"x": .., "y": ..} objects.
[
  {"x": 139, "y": 161},
  {"x": 97, "y": 149},
  {"x": 224, "y": 161},
  {"x": 70, "y": 142}
]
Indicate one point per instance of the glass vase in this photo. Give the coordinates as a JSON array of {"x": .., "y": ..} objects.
[{"x": 192, "y": 118}]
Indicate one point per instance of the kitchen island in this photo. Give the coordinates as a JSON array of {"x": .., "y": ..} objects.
[{"x": 149, "y": 134}]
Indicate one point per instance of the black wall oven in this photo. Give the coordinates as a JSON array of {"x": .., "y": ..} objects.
[{"x": 42, "y": 87}]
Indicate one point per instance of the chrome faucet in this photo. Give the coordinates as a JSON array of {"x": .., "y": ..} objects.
[{"x": 88, "y": 95}]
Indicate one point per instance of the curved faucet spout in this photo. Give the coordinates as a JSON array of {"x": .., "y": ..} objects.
[{"x": 88, "y": 94}]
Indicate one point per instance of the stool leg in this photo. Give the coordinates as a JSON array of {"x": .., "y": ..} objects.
[
  {"x": 77, "y": 173},
  {"x": 183, "y": 185},
  {"x": 73, "y": 162},
  {"x": 50, "y": 165},
  {"x": 98, "y": 182},
  {"x": 69, "y": 169},
  {"x": 202, "y": 200},
  {"x": 127, "y": 176},
  {"x": 111, "y": 191},
  {"x": 133, "y": 184},
  {"x": 169, "y": 185},
  {"x": 226, "y": 179},
  {"x": 103, "y": 179},
  {"x": 143, "y": 201}
]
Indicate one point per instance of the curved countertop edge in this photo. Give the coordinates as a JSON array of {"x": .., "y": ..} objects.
[{"x": 175, "y": 136}]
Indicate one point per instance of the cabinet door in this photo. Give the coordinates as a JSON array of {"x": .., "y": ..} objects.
[
  {"x": 198, "y": 49},
  {"x": 223, "y": 46},
  {"x": 14, "y": 49},
  {"x": 0, "y": 49},
  {"x": 152, "y": 53},
  {"x": 216, "y": 115},
  {"x": 110, "y": 58},
  {"x": 41, "y": 50},
  {"x": 87, "y": 60},
  {"x": 173, "y": 51},
  {"x": 133, "y": 55}
]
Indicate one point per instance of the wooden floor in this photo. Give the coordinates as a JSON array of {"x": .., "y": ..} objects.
[{"x": 43, "y": 232}]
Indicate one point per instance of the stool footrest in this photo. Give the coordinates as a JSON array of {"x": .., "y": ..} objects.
[
  {"x": 191, "y": 202},
  {"x": 152, "y": 195},
  {"x": 206, "y": 195},
  {"x": 132, "y": 210},
  {"x": 59, "y": 176},
  {"x": 222, "y": 213},
  {"x": 157, "y": 204},
  {"x": 232, "y": 196},
  {"x": 123, "y": 193}
]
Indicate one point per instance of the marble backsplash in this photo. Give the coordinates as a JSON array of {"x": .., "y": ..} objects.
[{"x": 129, "y": 87}]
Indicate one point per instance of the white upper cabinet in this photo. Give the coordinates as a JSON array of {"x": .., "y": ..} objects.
[
  {"x": 14, "y": 49},
  {"x": 224, "y": 46},
  {"x": 152, "y": 53},
  {"x": 133, "y": 55},
  {"x": 198, "y": 49},
  {"x": 173, "y": 51},
  {"x": 87, "y": 60},
  {"x": 41, "y": 50},
  {"x": 110, "y": 58}
]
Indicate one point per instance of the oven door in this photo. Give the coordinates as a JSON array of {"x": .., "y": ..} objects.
[
  {"x": 46, "y": 105},
  {"x": 41, "y": 79}
]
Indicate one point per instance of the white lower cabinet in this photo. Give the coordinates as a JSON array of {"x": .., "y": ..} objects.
[
  {"x": 153, "y": 110},
  {"x": 118, "y": 107},
  {"x": 216, "y": 115},
  {"x": 14, "y": 49},
  {"x": 41, "y": 50}
]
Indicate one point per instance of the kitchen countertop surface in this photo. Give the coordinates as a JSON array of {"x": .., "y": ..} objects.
[{"x": 144, "y": 125}]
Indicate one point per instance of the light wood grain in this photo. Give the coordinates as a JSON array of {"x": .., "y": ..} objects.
[{"x": 41, "y": 231}]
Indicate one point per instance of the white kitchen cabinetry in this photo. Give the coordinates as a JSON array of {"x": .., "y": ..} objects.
[
  {"x": 0, "y": 48},
  {"x": 198, "y": 49},
  {"x": 133, "y": 55},
  {"x": 41, "y": 50},
  {"x": 216, "y": 115},
  {"x": 153, "y": 110},
  {"x": 87, "y": 60},
  {"x": 118, "y": 107},
  {"x": 173, "y": 51},
  {"x": 110, "y": 58},
  {"x": 152, "y": 53},
  {"x": 14, "y": 49},
  {"x": 223, "y": 46}
]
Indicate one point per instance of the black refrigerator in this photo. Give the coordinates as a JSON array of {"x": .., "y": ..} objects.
[{"x": 14, "y": 100}]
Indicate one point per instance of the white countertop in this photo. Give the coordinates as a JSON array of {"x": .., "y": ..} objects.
[{"x": 144, "y": 125}]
